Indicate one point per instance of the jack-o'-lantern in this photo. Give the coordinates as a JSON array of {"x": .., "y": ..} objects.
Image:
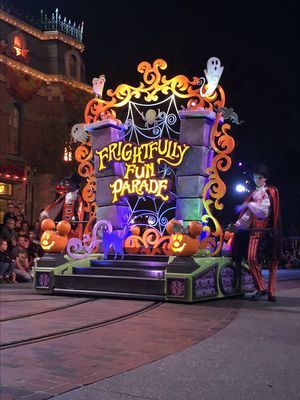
[
  {"x": 184, "y": 243},
  {"x": 54, "y": 241}
]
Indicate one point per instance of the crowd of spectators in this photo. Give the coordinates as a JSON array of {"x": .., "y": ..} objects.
[
  {"x": 290, "y": 256},
  {"x": 19, "y": 246}
]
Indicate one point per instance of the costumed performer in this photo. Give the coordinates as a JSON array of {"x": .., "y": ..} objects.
[
  {"x": 260, "y": 211},
  {"x": 69, "y": 206}
]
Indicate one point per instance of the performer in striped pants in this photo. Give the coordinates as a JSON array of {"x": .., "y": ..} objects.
[{"x": 260, "y": 210}]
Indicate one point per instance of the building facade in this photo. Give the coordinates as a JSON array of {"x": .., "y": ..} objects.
[{"x": 42, "y": 95}]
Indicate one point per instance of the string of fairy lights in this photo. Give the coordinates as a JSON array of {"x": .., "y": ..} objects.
[
  {"x": 13, "y": 177},
  {"x": 53, "y": 35},
  {"x": 44, "y": 77}
]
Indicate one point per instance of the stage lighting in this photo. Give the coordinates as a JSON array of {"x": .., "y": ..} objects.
[{"x": 240, "y": 188}]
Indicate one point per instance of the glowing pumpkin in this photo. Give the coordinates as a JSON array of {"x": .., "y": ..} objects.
[
  {"x": 183, "y": 242},
  {"x": 54, "y": 241},
  {"x": 184, "y": 245}
]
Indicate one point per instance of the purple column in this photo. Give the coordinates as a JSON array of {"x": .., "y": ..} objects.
[
  {"x": 195, "y": 130},
  {"x": 103, "y": 133}
]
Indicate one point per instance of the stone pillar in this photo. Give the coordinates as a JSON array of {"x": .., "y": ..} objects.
[
  {"x": 103, "y": 133},
  {"x": 195, "y": 130}
]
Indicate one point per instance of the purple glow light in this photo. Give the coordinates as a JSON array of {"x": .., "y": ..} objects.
[{"x": 240, "y": 164}]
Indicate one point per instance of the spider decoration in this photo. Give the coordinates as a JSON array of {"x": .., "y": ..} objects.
[{"x": 151, "y": 118}]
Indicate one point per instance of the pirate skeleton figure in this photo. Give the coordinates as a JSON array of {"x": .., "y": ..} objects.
[
  {"x": 259, "y": 217},
  {"x": 69, "y": 206}
]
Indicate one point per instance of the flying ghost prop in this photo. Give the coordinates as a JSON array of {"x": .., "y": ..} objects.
[{"x": 212, "y": 74}]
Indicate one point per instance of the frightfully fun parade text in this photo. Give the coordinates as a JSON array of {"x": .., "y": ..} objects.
[{"x": 141, "y": 161}]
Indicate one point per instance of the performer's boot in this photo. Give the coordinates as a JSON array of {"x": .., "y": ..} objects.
[
  {"x": 271, "y": 298},
  {"x": 258, "y": 295}
]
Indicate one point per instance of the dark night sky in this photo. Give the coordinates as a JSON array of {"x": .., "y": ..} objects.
[{"x": 257, "y": 43}]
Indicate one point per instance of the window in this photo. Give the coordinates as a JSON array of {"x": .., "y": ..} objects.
[
  {"x": 14, "y": 130},
  {"x": 18, "y": 45},
  {"x": 72, "y": 64},
  {"x": 5, "y": 189},
  {"x": 68, "y": 153}
]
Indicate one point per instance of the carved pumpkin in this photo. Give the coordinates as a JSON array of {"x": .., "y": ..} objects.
[
  {"x": 184, "y": 243},
  {"x": 54, "y": 241}
]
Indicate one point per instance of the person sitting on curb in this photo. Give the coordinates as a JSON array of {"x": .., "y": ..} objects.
[
  {"x": 7, "y": 265},
  {"x": 20, "y": 254},
  {"x": 9, "y": 233}
]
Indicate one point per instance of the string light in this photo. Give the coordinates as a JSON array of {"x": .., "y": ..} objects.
[
  {"x": 13, "y": 177},
  {"x": 44, "y": 77},
  {"x": 39, "y": 34}
]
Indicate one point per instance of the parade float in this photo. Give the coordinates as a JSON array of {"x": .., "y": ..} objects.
[{"x": 152, "y": 157}]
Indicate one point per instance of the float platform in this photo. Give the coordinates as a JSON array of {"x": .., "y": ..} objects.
[{"x": 185, "y": 279}]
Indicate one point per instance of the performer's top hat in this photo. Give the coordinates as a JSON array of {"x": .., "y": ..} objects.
[
  {"x": 261, "y": 169},
  {"x": 74, "y": 178}
]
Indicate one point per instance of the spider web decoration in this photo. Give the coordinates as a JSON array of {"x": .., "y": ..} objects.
[
  {"x": 146, "y": 122},
  {"x": 152, "y": 121}
]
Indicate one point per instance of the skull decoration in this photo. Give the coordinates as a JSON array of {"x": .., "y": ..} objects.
[
  {"x": 184, "y": 242},
  {"x": 54, "y": 241}
]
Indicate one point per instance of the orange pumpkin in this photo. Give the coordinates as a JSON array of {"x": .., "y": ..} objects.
[
  {"x": 194, "y": 228},
  {"x": 54, "y": 241},
  {"x": 228, "y": 237},
  {"x": 183, "y": 245},
  {"x": 63, "y": 227},
  {"x": 47, "y": 224},
  {"x": 174, "y": 226}
]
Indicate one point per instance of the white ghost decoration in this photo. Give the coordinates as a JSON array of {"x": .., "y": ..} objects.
[
  {"x": 213, "y": 74},
  {"x": 98, "y": 84},
  {"x": 78, "y": 133}
]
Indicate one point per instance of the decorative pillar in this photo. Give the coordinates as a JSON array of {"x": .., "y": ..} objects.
[
  {"x": 195, "y": 130},
  {"x": 103, "y": 133}
]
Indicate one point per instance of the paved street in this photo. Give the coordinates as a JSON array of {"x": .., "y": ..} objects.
[{"x": 129, "y": 349}]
